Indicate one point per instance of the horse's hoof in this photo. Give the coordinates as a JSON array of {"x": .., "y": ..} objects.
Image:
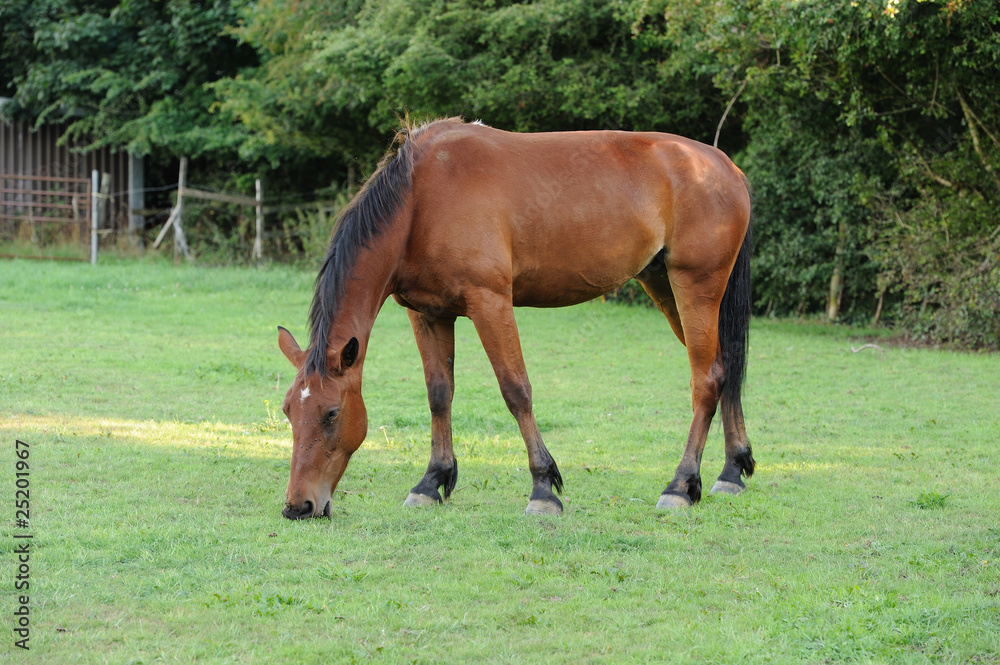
[
  {"x": 726, "y": 487},
  {"x": 415, "y": 500},
  {"x": 542, "y": 507},
  {"x": 671, "y": 501}
]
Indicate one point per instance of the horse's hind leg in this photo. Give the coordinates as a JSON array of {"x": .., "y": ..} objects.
[
  {"x": 493, "y": 316},
  {"x": 436, "y": 342},
  {"x": 694, "y": 318},
  {"x": 739, "y": 457}
]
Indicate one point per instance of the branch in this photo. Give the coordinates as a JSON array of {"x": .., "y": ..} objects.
[
  {"x": 873, "y": 347},
  {"x": 893, "y": 84},
  {"x": 970, "y": 119},
  {"x": 937, "y": 70},
  {"x": 927, "y": 167},
  {"x": 916, "y": 153},
  {"x": 897, "y": 111},
  {"x": 976, "y": 118},
  {"x": 715, "y": 143}
]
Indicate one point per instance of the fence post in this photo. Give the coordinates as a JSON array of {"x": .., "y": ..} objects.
[
  {"x": 258, "y": 242},
  {"x": 136, "y": 199},
  {"x": 180, "y": 242},
  {"x": 103, "y": 198},
  {"x": 93, "y": 216}
]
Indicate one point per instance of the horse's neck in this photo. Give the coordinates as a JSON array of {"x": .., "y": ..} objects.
[{"x": 372, "y": 282}]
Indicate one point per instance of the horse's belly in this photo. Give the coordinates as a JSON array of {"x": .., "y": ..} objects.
[
  {"x": 574, "y": 279},
  {"x": 535, "y": 291}
]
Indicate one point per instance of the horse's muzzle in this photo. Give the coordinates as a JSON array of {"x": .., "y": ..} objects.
[{"x": 303, "y": 511}]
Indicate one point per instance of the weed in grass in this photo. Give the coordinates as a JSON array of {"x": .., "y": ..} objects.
[
  {"x": 337, "y": 573},
  {"x": 930, "y": 499},
  {"x": 273, "y": 422}
]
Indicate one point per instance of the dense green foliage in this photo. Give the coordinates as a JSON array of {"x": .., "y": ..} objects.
[
  {"x": 870, "y": 129},
  {"x": 873, "y": 143},
  {"x": 337, "y": 86},
  {"x": 128, "y": 73}
]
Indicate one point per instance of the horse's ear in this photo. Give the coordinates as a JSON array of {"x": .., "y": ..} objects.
[
  {"x": 337, "y": 362},
  {"x": 290, "y": 348},
  {"x": 349, "y": 354}
]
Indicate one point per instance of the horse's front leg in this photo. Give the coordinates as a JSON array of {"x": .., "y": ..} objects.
[
  {"x": 493, "y": 316},
  {"x": 436, "y": 342}
]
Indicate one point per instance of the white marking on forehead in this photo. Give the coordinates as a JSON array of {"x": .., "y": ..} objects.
[{"x": 305, "y": 394}]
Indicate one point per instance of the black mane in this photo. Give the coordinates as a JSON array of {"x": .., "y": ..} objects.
[{"x": 364, "y": 218}]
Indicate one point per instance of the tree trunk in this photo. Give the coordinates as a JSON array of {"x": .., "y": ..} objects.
[{"x": 837, "y": 278}]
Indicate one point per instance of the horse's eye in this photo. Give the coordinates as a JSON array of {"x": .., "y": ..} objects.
[{"x": 331, "y": 415}]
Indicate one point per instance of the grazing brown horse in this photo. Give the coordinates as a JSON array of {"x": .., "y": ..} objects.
[{"x": 465, "y": 220}]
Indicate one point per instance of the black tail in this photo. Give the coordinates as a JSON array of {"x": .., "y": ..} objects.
[{"x": 734, "y": 324}]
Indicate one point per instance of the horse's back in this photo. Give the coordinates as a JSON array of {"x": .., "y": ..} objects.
[{"x": 564, "y": 216}]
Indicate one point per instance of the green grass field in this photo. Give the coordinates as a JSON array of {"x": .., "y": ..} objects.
[{"x": 150, "y": 398}]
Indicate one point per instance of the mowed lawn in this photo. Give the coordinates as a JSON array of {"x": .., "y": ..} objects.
[{"x": 150, "y": 397}]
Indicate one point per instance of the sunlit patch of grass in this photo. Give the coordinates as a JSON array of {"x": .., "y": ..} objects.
[{"x": 203, "y": 435}]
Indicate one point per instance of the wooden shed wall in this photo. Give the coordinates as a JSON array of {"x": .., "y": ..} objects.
[{"x": 36, "y": 153}]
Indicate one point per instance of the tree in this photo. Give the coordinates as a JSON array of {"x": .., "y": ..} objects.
[
  {"x": 880, "y": 117},
  {"x": 128, "y": 74},
  {"x": 335, "y": 81}
]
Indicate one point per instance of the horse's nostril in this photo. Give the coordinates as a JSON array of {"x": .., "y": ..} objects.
[
  {"x": 302, "y": 512},
  {"x": 326, "y": 509}
]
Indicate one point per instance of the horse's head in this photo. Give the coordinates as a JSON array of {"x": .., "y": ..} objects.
[{"x": 329, "y": 422}]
